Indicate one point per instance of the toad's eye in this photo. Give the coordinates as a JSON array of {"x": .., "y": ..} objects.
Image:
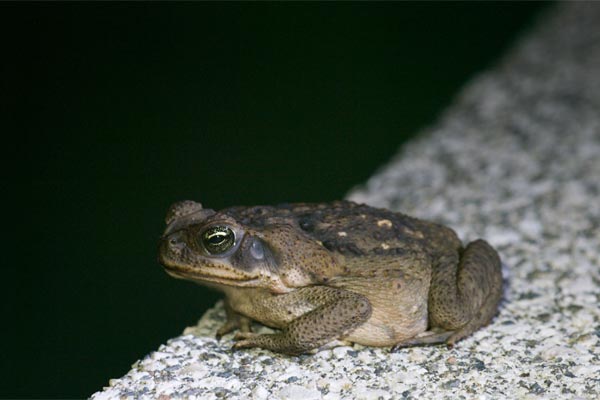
[{"x": 217, "y": 239}]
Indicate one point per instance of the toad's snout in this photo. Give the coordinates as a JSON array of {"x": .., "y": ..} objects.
[{"x": 170, "y": 247}]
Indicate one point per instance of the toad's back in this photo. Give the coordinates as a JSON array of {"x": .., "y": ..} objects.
[{"x": 354, "y": 230}]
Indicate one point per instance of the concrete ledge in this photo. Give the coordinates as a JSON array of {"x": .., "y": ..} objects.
[{"x": 516, "y": 160}]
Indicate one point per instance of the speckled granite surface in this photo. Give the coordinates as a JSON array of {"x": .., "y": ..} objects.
[{"x": 516, "y": 160}]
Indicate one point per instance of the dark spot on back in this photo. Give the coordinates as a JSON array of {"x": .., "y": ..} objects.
[
  {"x": 307, "y": 223},
  {"x": 329, "y": 245}
]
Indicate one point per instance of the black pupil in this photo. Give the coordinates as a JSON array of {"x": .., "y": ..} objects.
[{"x": 217, "y": 238}]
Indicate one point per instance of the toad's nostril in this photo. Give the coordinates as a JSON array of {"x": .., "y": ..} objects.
[{"x": 175, "y": 241}]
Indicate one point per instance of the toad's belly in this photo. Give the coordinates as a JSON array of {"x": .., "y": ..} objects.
[
  {"x": 399, "y": 312},
  {"x": 385, "y": 329}
]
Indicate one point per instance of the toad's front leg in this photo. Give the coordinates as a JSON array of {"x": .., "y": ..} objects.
[
  {"x": 337, "y": 312},
  {"x": 234, "y": 321}
]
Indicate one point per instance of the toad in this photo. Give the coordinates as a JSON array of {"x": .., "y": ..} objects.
[{"x": 324, "y": 271}]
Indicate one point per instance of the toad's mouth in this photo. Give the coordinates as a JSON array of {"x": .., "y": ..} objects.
[{"x": 176, "y": 272}]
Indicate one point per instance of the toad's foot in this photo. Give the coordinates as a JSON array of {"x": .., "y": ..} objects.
[
  {"x": 428, "y": 338},
  {"x": 247, "y": 340}
]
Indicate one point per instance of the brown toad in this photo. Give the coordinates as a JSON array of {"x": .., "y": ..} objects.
[{"x": 340, "y": 270}]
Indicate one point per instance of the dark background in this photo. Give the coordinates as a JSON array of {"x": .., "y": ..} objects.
[{"x": 117, "y": 110}]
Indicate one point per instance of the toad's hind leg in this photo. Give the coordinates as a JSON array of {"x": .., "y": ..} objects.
[
  {"x": 466, "y": 298},
  {"x": 464, "y": 295}
]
